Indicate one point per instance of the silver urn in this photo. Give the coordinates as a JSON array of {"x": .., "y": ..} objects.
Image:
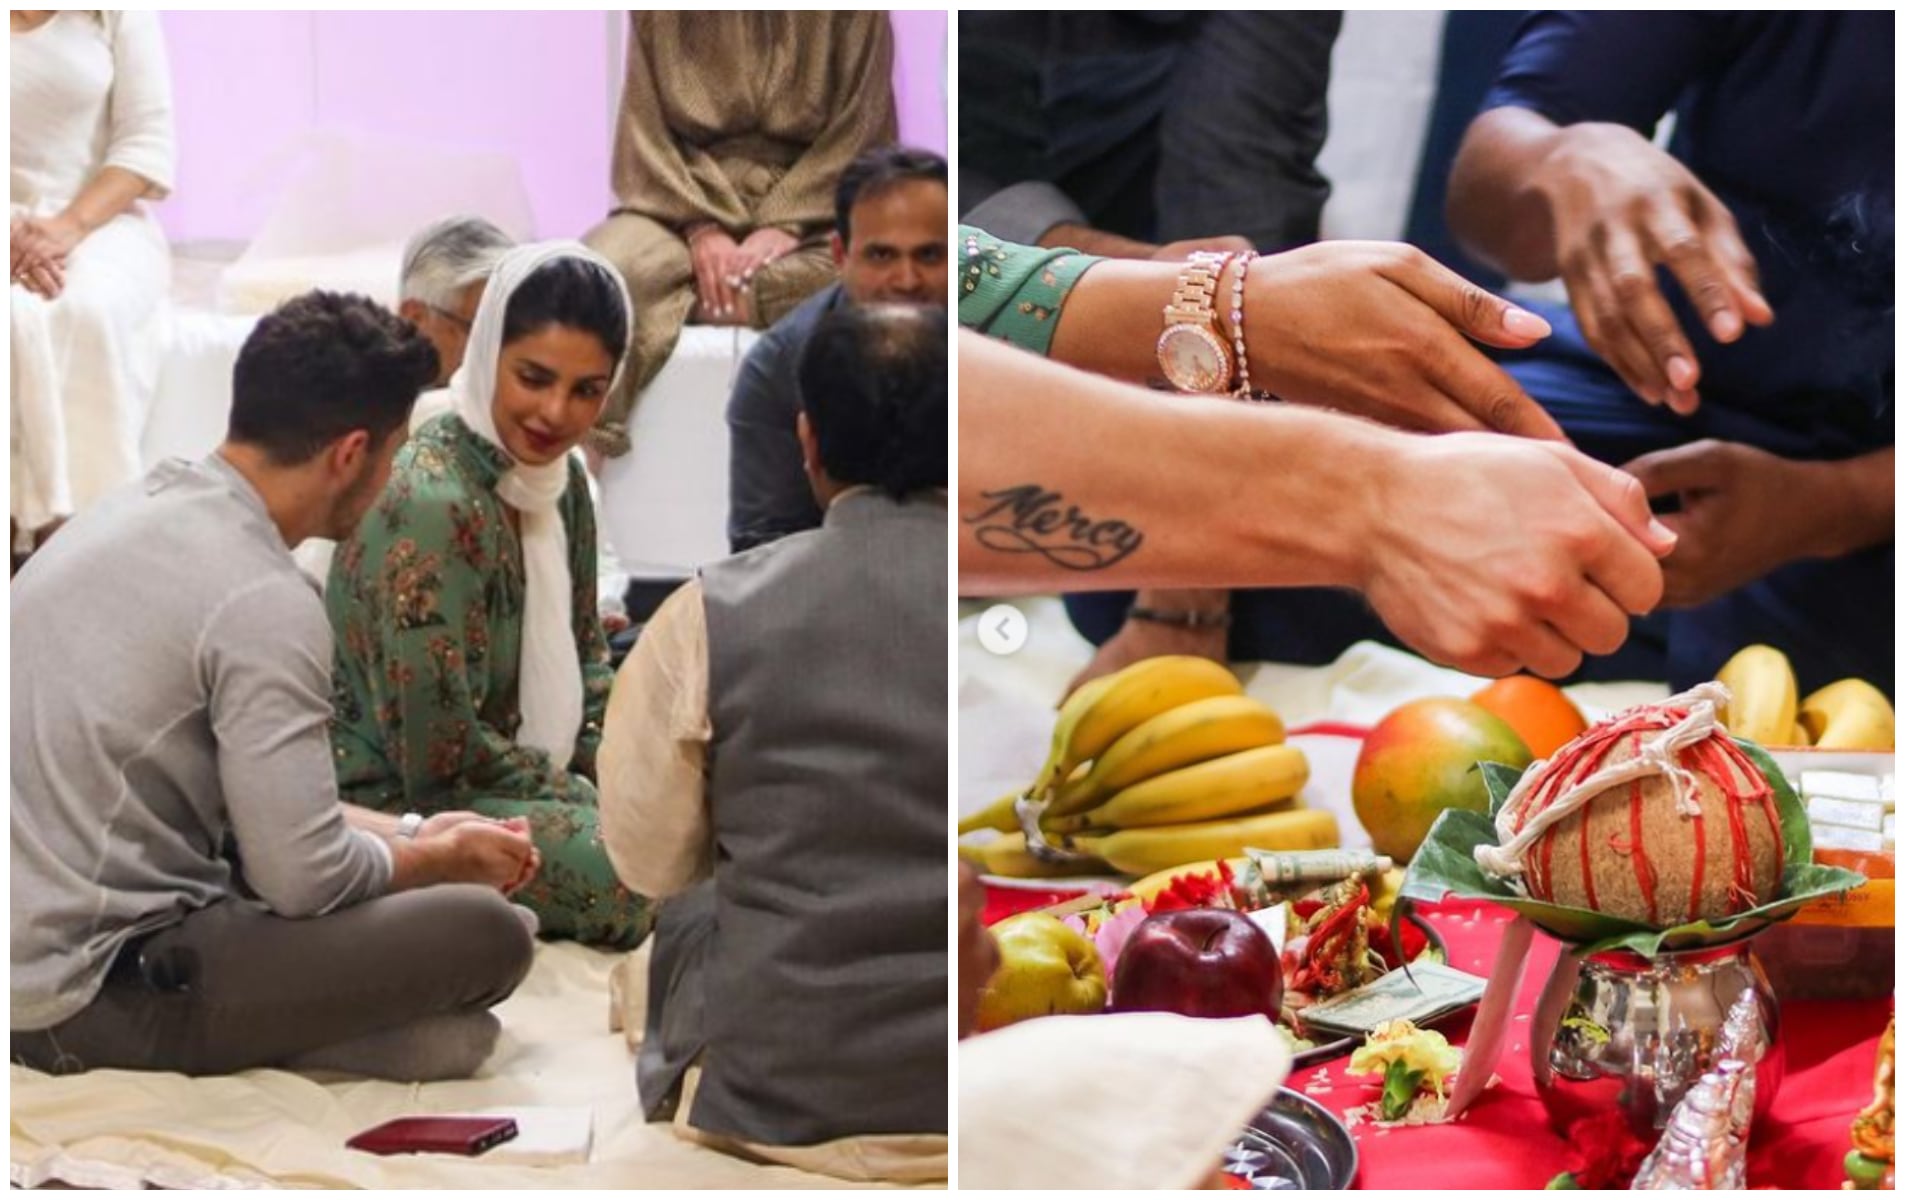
[{"x": 1621, "y": 1031}]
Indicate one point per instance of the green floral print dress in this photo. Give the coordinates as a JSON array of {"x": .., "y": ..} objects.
[{"x": 426, "y": 602}]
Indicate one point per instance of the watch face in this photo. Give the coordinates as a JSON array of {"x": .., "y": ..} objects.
[{"x": 1193, "y": 359}]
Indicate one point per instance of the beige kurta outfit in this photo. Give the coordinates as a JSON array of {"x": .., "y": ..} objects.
[
  {"x": 89, "y": 91},
  {"x": 743, "y": 120}
]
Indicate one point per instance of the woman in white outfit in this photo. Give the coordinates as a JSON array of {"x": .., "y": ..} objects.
[{"x": 91, "y": 139}]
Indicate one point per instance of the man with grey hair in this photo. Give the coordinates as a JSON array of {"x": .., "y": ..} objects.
[{"x": 445, "y": 265}]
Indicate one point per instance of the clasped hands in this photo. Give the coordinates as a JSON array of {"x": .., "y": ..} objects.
[
  {"x": 39, "y": 248},
  {"x": 486, "y": 850},
  {"x": 724, "y": 269}
]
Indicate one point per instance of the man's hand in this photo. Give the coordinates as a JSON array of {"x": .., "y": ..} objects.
[
  {"x": 1491, "y": 555},
  {"x": 1380, "y": 329},
  {"x": 442, "y": 822},
  {"x": 1743, "y": 512},
  {"x": 1622, "y": 207},
  {"x": 1182, "y": 251},
  {"x": 1138, "y": 639},
  {"x": 496, "y": 854},
  {"x": 978, "y": 956},
  {"x": 716, "y": 261}
]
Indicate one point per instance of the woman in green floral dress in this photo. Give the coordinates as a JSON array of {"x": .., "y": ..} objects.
[{"x": 471, "y": 669}]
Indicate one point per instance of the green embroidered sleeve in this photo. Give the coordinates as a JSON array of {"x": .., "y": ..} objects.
[
  {"x": 427, "y": 602},
  {"x": 1015, "y": 292}
]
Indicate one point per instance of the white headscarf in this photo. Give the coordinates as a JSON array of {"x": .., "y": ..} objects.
[{"x": 550, "y": 670}]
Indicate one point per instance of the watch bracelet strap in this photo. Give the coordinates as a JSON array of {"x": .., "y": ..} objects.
[
  {"x": 1195, "y": 297},
  {"x": 1180, "y": 618}
]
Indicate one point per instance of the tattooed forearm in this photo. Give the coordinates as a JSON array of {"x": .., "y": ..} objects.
[{"x": 1028, "y": 519}]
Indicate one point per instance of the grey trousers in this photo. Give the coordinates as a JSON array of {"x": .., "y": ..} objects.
[{"x": 233, "y": 986}]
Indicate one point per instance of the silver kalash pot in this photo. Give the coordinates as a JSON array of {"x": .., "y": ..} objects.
[{"x": 1620, "y": 1031}]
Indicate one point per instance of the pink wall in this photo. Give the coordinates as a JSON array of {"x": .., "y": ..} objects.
[{"x": 537, "y": 86}]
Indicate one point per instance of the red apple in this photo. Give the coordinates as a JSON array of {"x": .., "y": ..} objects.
[{"x": 1200, "y": 962}]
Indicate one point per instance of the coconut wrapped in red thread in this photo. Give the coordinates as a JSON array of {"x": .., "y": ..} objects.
[{"x": 1654, "y": 816}]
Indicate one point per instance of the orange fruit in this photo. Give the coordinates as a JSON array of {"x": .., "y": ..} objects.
[{"x": 1536, "y": 709}]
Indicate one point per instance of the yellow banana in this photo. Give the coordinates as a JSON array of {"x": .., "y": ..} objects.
[
  {"x": 1088, "y": 724},
  {"x": 1190, "y": 733},
  {"x": 1006, "y": 855},
  {"x": 1235, "y": 783},
  {"x": 1070, "y": 713},
  {"x": 1144, "y": 851},
  {"x": 1849, "y": 715},
  {"x": 1765, "y": 695},
  {"x": 1001, "y": 814}
]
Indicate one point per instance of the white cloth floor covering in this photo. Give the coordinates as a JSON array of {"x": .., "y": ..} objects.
[{"x": 127, "y": 1129}]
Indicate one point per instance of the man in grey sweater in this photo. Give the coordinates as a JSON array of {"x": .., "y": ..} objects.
[{"x": 187, "y": 892}]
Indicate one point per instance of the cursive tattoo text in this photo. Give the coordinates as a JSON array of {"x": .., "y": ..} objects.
[{"x": 1028, "y": 519}]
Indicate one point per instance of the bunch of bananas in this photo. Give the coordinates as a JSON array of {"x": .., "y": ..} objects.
[
  {"x": 1163, "y": 763},
  {"x": 1766, "y": 707}
]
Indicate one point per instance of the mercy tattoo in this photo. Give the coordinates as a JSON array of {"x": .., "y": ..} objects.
[{"x": 1028, "y": 519}]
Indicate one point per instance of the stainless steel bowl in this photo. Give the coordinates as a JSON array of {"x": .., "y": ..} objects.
[{"x": 1294, "y": 1145}]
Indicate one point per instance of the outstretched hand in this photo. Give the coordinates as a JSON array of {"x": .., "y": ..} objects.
[
  {"x": 1382, "y": 330},
  {"x": 1622, "y": 208},
  {"x": 1491, "y": 555}
]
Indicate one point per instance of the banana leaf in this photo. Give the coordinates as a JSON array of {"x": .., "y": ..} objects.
[{"x": 1446, "y": 866}]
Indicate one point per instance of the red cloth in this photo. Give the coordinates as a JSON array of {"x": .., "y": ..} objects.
[{"x": 1503, "y": 1140}]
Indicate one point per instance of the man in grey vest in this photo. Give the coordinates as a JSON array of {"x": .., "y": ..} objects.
[{"x": 774, "y": 758}]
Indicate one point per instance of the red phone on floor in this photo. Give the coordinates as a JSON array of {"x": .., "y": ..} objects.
[{"x": 435, "y": 1135}]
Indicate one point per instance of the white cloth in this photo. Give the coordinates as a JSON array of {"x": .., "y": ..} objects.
[
  {"x": 264, "y": 1128},
  {"x": 88, "y": 91},
  {"x": 1114, "y": 1101},
  {"x": 550, "y": 674}
]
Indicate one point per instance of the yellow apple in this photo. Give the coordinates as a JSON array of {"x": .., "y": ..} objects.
[{"x": 1045, "y": 968}]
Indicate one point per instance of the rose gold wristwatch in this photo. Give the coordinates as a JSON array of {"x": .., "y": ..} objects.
[{"x": 1191, "y": 351}]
